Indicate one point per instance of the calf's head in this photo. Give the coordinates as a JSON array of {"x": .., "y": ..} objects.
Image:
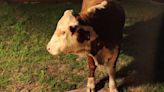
[{"x": 70, "y": 36}]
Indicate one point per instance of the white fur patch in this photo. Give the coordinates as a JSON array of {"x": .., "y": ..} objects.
[
  {"x": 112, "y": 85},
  {"x": 67, "y": 20},
  {"x": 58, "y": 42},
  {"x": 99, "y": 6},
  {"x": 91, "y": 83}
]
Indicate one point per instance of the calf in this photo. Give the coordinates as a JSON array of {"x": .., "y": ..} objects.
[{"x": 96, "y": 32}]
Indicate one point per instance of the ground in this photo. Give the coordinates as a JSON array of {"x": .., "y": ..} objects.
[{"x": 25, "y": 65}]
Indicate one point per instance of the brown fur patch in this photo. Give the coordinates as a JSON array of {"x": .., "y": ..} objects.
[
  {"x": 107, "y": 23},
  {"x": 73, "y": 29},
  {"x": 83, "y": 35}
]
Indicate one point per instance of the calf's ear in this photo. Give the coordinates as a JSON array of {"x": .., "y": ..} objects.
[
  {"x": 82, "y": 19},
  {"x": 83, "y": 35}
]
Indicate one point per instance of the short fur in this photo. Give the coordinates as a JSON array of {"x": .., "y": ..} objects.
[
  {"x": 96, "y": 32},
  {"x": 107, "y": 21}
]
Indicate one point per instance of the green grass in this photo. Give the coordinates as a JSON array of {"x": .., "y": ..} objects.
[
  {"x": 25, "y": 65},
  {"x": 25, "y": 30}
]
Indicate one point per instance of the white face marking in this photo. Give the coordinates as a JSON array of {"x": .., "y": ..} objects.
[
  {"x": 99, "y": 6},
  {"x": 67, "y": 20},
  {"x": 62, "y": 37},
  {"x": 64, "y": 41}
]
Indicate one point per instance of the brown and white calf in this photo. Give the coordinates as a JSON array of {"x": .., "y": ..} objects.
[{"x": 96, "y": 32}]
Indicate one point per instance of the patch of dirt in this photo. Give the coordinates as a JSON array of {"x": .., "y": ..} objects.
[
  {"x": 55, "y": 69},
  {"x": 28, "y": 87}
]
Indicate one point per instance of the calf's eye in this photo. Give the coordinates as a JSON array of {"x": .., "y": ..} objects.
[{"x": 63, "y": 33}]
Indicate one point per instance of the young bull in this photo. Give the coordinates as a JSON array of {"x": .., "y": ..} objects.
[{"x": 96, "y": 32}]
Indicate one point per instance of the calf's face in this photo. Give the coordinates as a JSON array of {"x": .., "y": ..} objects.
[{"x": 70, "y": 36}]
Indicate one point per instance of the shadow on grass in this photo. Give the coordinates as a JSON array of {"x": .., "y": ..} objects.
[
  {"x": 145, "y": 42},
  {"x": 101, "y": 83}
]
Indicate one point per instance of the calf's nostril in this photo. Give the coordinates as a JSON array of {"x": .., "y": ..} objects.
[{"x": 48, "y": 49}]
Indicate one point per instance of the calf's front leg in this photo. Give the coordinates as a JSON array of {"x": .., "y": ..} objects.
[{"x": 91, "y": 79}]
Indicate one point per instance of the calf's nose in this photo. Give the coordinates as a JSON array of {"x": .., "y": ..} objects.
[{"x": 48, "y": 48}]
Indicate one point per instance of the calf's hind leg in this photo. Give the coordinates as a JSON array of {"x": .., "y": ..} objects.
[
  {"x": 91, "y": 80},
  {"x": 111, "y": 70}
]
